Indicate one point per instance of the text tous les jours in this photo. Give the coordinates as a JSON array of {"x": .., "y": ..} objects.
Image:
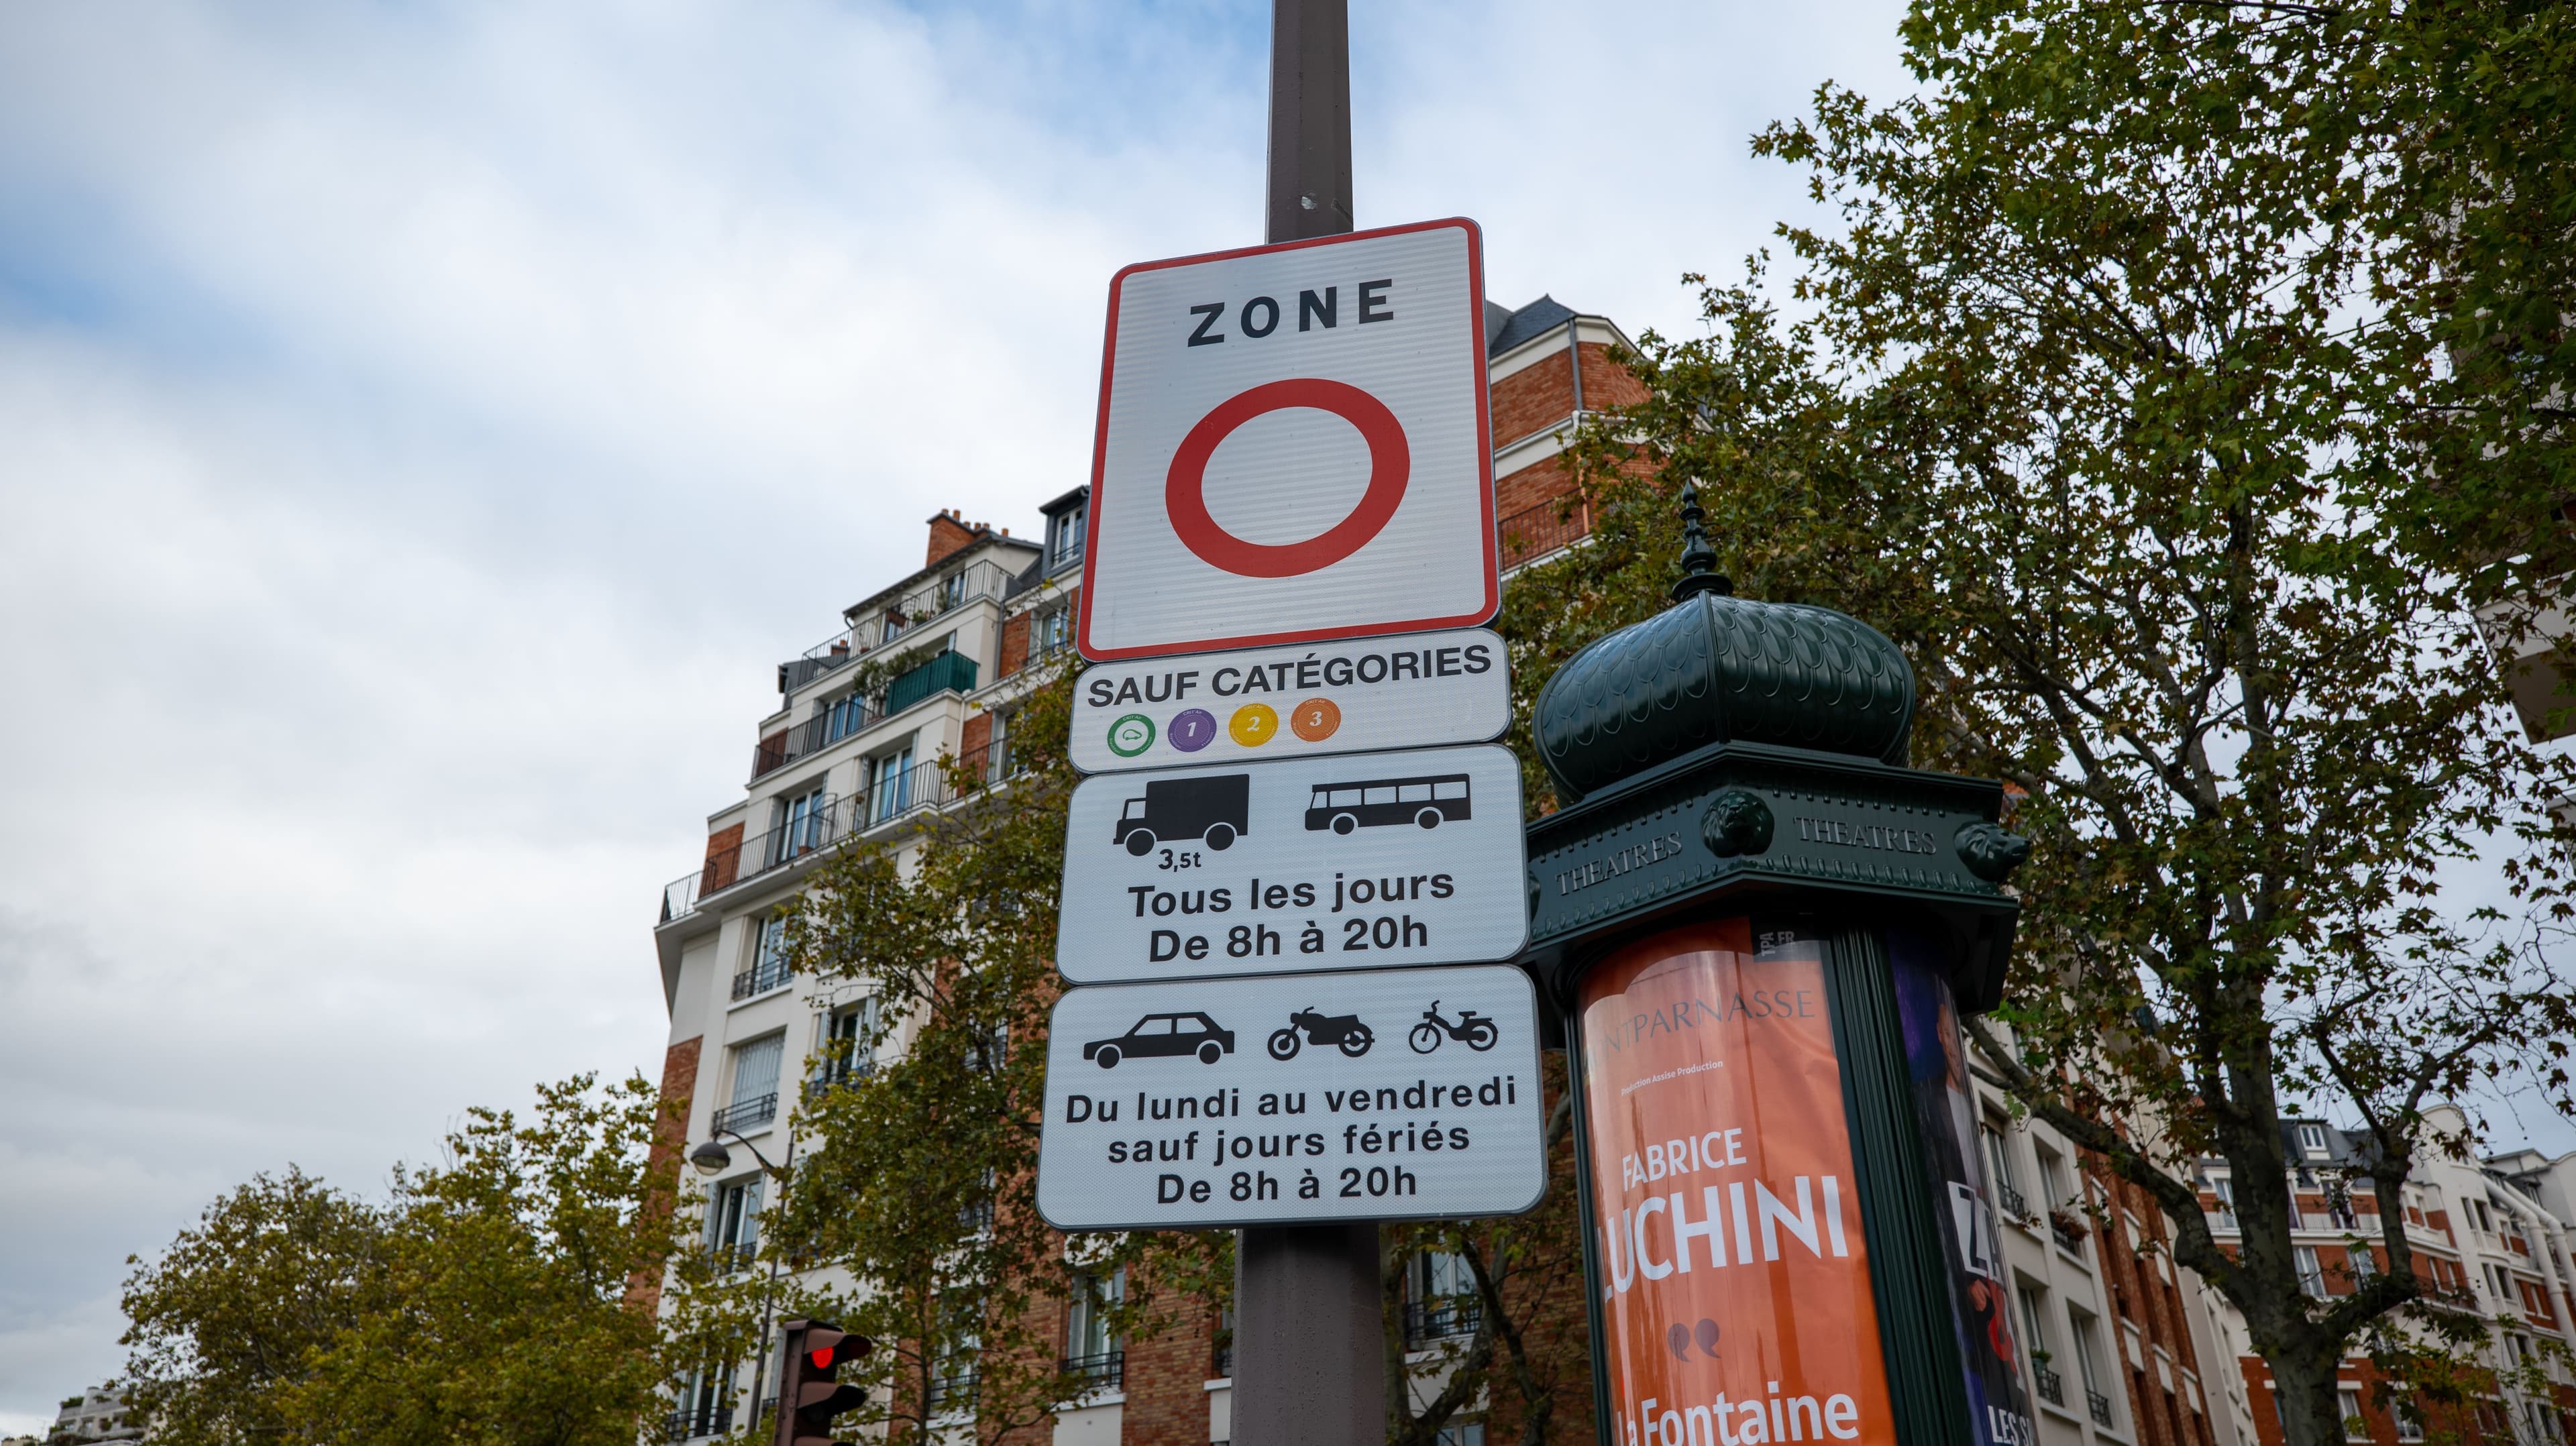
[
  {"x": 1387, "y": 1136},
  {"x": 1258, "y": 938}
]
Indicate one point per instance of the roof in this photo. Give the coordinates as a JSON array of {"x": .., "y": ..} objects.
[{"x": 1506, "y": 328}]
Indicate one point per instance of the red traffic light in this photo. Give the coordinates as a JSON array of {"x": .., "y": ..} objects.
[{"x": 809, "y": 1397}]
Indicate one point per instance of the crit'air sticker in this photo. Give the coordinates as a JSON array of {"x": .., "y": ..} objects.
[{"x": 1131, "y": 735}]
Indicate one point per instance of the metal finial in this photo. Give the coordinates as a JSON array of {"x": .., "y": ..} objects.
[{"x": 1699, "y": 560}]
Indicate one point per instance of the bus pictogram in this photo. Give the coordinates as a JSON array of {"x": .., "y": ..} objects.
[{"x": 1426, "y": 801}]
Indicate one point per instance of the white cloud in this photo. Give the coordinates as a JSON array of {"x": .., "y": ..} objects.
[{"x": 422, "y": 427}]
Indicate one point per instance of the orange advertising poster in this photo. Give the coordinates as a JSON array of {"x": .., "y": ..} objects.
[{"x": 1735, "y": 1285}]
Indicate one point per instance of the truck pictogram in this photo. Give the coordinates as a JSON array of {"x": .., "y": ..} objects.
[{"x": 1176, "y": 810}]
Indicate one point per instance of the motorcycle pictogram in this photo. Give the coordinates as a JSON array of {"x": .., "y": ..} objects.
[
  {"x": 1342, "y": 1030},
  {"x": 1477, "y": 1030}
]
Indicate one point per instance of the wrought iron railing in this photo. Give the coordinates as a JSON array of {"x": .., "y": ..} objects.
[
  {"x": 1221, "y": 1362},
  {"x": 706, "y": 1419},
  {"x": 2052, "y": 1386},
  {"x": 747, "y": 1114},
  {"x": 1534, "y": 532},
  {"x": 766, "y": 973},
  {"x": 2015, "y": 1207},
  {"x": 924, "y": 605},
  {"x": 1433, "y": 1320},
  {"x": 1100, "y": 1371},
  {"x": 952, "y": 1391},
  {"x": 2099, "y": 1405},
  {"x": 895, "y": 796}
]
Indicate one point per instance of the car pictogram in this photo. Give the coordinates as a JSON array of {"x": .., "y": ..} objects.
[{"x": 1186, "y": 1033}]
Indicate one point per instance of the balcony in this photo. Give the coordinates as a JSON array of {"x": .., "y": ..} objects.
[
  {"x": 1426, "y": 1321},
  {"x": 2099, "y": 1405},
  {"x": 2068, "y": 1232},
  {"x": 1551, "y": 526},
  {"x": 705, "y": 1420},
  {"x": 746, "y": 1115},
  {"x": 1101, "y": 1371},
  {"x": 2010, "y": 1198},
  {"x": 2052, "y": 1386},
  {"x": 940, "y": 673},
  {"x": 1221, "y": 1361},
  {"x": 923, "y": 785},
  {"x": 890, "y": 625},
  {"x": 952, "y": 1391},
  {"x": 765, "y": 974}
]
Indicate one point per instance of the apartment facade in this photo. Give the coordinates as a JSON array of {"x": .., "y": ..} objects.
[
  {"x": 2110, "y": 1333},
  {"x": 2489, "y": 1235},
  {"x": 925, "y": 668}
]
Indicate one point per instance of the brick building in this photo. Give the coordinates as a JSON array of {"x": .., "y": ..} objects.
[
  {"x": 927, "y": 666},
  {"x": 2491, "y": 1235}
]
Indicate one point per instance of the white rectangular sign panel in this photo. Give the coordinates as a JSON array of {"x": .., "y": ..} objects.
[
  {"x": 1293, "y": 446},
  {"x": 1408, "y": 691},
  {"x": 1293, "y": 1099},
  {"x": 1357, "y": 861}
]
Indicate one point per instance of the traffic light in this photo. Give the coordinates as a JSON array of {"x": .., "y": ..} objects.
[{"x": 809, "y": 1395}]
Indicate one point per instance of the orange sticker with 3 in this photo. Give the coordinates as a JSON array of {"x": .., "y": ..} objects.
[
  {"x": 1253, "y": 724},
  {"x": 1315, "y": 719}
]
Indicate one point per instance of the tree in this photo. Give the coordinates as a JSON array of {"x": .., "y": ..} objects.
[
  {"x": 233, "y": 1316},
  {"x": 488, "y": 1301},
  {"x": 2113, "y": 412},
  {"x": 919, "y": 1179}
]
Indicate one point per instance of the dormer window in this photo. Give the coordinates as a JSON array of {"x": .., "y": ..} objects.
[
  {"x": 1064, "y": 537},
  {"x": 2312, "y": 1138}
]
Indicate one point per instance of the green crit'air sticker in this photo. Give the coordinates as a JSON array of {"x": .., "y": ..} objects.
[{"x": 1131, "y": 735}]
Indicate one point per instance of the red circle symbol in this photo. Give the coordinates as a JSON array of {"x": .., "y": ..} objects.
[{"x": 1185, "y": 487}]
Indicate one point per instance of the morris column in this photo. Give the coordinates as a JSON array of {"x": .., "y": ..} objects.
[{"x": 1762, "y": 928}]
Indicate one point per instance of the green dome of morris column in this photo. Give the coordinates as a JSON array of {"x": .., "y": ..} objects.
[{"x": 1715, "y": 668}]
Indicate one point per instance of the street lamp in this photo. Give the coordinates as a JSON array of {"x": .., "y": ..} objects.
[{"x": 712, "y": 1159}]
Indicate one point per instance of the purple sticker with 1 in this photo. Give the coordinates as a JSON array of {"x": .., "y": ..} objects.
[{"x": 1192, "y": 730}]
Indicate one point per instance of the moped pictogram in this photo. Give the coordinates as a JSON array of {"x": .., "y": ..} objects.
[
  {"x": 1477, "y": 1030},
  {"x": 1342, "y": 1030}
]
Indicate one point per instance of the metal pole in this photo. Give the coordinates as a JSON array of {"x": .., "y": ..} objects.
[
  {"x": 769, "y": 1291},
  {"x": 1310, "y": 119},
  {"x": 1309, "y": 1323}
]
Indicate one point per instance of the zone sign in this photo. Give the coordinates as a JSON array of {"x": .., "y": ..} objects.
[{"x": 1293, "y": 446}]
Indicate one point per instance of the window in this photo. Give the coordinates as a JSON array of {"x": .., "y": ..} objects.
[
  {"x": 1440, "y": 1298},
  {"x": 2034, "y": 1324},
  {"x": 2486, "y": 1221},
  {"x": 2088, "y": 1364},
  {"x": 800, "y": 824},
  {"x": 952, "y": 590},
  {"x": 1465, "y": 1433},
  {"x": 2312, "y": 1139},
  {"x": 2356, "y": 1426},
  {"x": 2225, "y": 1189},
  {"x": 2409, "y": 1426},
  {"x": 705, "y": 1401},
  {"x": 754, "y": 1100},
  {"x": 1090, "y": 1348},
  {"x": 1999, "y": 1159},
  {"x": 1064, "y": 537},
  {"x": 769, "y": 959},
  {"x": 733, "y": 1224},
  {"x": 1051, "y": 631},
  {"x": 2361, "y": 1262},
  {"x": 2312, "y": 1276},
  {"x": 844, "y": 716},
  {"x": 847, "y": 1050},
  {"x": 893, "y": 627},
  {"x": 889, "y": 785}
]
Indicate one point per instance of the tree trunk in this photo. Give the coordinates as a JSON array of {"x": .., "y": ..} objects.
[{"x": 2304, "y": 1379}]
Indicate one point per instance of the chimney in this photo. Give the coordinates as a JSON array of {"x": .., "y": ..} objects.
[{"x": 947, "y": 535}]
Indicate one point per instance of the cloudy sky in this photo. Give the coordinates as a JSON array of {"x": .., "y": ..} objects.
[{"x": 423, "y": 426}]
